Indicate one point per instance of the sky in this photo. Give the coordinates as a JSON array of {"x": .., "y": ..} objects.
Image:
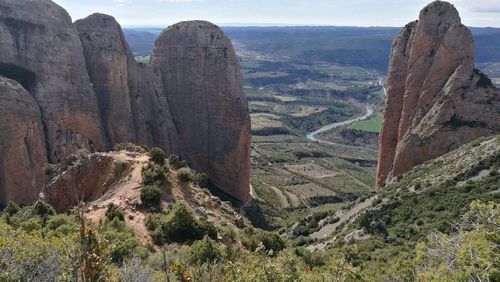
[{"x": 161, "y": 13}]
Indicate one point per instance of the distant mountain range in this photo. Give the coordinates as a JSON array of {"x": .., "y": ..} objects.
[{"x": 360, "y": 46}]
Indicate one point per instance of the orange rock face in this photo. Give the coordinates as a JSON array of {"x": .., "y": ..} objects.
[
  {"x": 22, "y": 144},
  {"x": 435, "y": 101},
  {"x": 201, "y": 76},
  {"x": 38, "y": 36},
  {"x": 81, "y": 88}
]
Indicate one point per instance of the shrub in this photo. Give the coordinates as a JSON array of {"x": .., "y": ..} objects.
[
  {"x": 43, "y": 210},
  {"x": 131, "y": 147},
  {"x": 154, "y": 174},
  {"x": 123, "y": 243},
  {"x": 185, "y": 175},
  {"x": 201, "y": 179},
  {"x": 157, "y": 156},
  {"x": 114, "y": 211},
  {"x": 271, "y": 241},
  {"x": 11, "y": 208},
  {"x": 50, "y": 169},
  {"x": 364, "y": 221},
  {"x": 176, "y": 162},
  {"x": 204, "y": 251},
  {"x": 179, "y": 226},
  {"x": 150, "y": 196},
  {"x": 62, "y": 224}
]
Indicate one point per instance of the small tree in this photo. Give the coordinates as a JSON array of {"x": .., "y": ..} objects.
[
  {"x": 204, "y": 251},
  {"x": 11, "y": 208},
  {"x": 114, "y": 211},
  {"x": 185, "y": 175},
  {"x": 151, "y": 196},
  {"x": 43, "y": 210},
  {"x": 158, "y": 156},
  {"x": 176, "y": 162}
]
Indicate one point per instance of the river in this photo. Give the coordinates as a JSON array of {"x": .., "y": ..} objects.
[{"x": 312, "y": 135}]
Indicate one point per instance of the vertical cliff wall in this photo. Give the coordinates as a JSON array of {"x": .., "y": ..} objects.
[
  {"x": 201, "y": 76},
  {"x": 436, "y": 100},
  {"x": 38, "y": 36}
]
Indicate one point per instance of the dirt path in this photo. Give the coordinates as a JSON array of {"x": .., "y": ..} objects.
[
  {"x": 126, "y": 195},
  {"x": 343, "y": 216}
]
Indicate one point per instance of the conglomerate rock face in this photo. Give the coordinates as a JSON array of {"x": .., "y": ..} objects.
[
  {"x": 132, "y": 100},
  {"x": 22, "y": 144},
  {"x": 81, "y": 88},
  {"x": 111, "y": 68},
  {"x": 435, "y": 101},
  {"x": 41, "y": 49},
  {"x": 201, "y": 76}
]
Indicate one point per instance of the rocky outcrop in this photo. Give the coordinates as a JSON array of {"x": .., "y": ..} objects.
[
  {"x": 112, "y": 70},
  {"x": 132, "y": 100},
  {"x": 201, "y": 76},
  {"x": 42, "y": 51},
  {"x": 436, "y": 100},
  {"x": 22, "y": 144},
  {"x": 90, "y": 93},
  {"x": 84, "y": 178}
]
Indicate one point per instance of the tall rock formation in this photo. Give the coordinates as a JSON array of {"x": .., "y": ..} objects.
[
  {"x": 65, "y": 88},
  {"x": 22, "y": 144},
  {"x": 41, "y": 49},
  {"x": 436, "y": 100},
  {"x": 112, "y": 70},
  {"x": 201, "y": 76},
  {"x": 132, "y": 100}
]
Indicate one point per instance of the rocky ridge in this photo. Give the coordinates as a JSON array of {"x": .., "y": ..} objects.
[{"x": 436, "y": 100}]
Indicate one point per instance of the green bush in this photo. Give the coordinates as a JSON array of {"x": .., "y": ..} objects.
[
  {"x": 158, "y": 156},
  {"x": 114, "y": 211},
  {"x": 201, "y": 179},
  {"x": 50, "y": 169},
  {"x": 185, "y": 175},
  {"x": 123, "y": 243},
  {"x": 154, "y": 174},
  {"x": 204, "y": 251},
  {"x": 176, "y": 162},
  {"x": 270, "y": 240},
  {"x": 62, "y": 224},
  {"x": 179, "y": 226},
  {"x": 11, "y": 208},
  {"x": 131, "y": 147},
  {"x": 150, "y": 196},
  {"x": 43, "y": 210}
]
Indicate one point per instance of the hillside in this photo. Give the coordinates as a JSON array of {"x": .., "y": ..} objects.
[{"x": 380, "y": 234}]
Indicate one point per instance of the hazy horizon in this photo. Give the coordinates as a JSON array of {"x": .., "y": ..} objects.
[{"x": 355, "y": 13}]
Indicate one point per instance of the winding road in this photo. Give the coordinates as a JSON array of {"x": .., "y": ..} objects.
[{"x": 312, "y": 135}]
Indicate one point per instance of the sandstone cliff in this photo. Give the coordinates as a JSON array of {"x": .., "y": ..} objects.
[
  {"x": 82, "y": 89},
  {"x": 201, "y": 76},
  {"x": 22, "y": 144},
  {"x": 435, "y": 101},
  {"x": 111, "y": 68},
  {"x": 132, "y": 100},
  {"x": 42, "y": 51}
]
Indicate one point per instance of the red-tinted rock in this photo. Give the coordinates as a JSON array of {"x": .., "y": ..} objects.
[
  {"x": 435, "y": 100},
  {"x": 201, "y": 76},
  {"x": 22, "y": 144},
  {"x": 38, "y": 36}
]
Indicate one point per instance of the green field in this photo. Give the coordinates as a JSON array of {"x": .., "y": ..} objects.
[{"x": 373, "y": 124}]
